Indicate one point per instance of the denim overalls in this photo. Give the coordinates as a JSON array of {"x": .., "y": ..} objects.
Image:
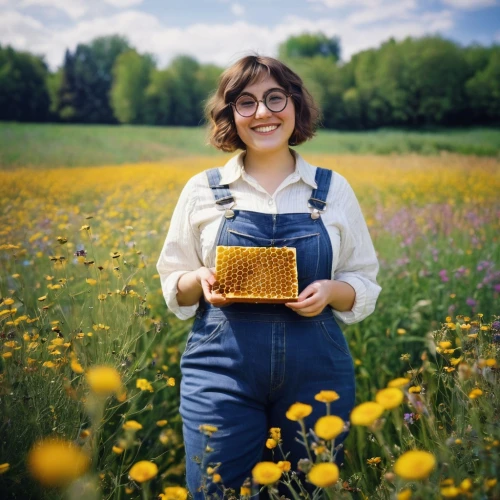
[{"x": 246, "y": 364}]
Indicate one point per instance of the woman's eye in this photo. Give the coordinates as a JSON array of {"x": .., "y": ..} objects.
[{"x": 247, "y": 103}]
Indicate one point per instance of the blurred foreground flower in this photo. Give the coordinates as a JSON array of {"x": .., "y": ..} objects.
[
  {"x": 266, "y": 473},
  {"x": 298, "y": 411},
  {"x": 326, "y": 396},
  {"x": 389, "y": 398},
  {"x": 329, "y": 427},
  {"x": 55, "y": 462},
  {"x": 174, "y": 493},
  {"x": 103, "y": 380},
  {"x": 415, "y": 465},
  {"x": 323, "y": 475},
  {"x": 366, "y": 413},
  {"x": 143, "y": 471}
]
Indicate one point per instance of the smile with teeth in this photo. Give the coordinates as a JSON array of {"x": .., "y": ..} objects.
[{"x": 268, "y": 128}]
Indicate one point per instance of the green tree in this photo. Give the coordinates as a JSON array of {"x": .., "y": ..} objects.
[
  {"x": 23, "y": 90},
  {"x": 310, "y": 45},
  {"x": 131, "y": 76}
]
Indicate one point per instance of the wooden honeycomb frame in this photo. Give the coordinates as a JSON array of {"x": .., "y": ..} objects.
[{"x": 256, "y": 274}]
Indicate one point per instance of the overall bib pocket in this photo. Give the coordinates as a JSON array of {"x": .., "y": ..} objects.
[{"x": 334, "y": 335}]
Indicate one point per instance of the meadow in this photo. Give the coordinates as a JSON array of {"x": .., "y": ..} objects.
[{"x": 89, "y": 356}]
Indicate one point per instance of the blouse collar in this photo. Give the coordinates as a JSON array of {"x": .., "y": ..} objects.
[{"x": 234, "y": 168}]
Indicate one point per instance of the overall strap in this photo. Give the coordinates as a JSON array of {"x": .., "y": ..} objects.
[
  {"x": 317, "y": 201},
  {"x": 221, "y": 192}
]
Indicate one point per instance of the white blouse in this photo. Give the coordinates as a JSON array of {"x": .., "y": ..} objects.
[{"x": 190, "y": 242}]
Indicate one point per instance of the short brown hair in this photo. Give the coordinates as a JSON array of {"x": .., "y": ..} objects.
[{"x": 247, "y": 70}]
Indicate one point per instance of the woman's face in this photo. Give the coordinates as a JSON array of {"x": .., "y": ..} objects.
[{"x": 265, "y": 131}]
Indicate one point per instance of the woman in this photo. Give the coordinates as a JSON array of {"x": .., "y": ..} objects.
[{"x": 245, "y": 364}]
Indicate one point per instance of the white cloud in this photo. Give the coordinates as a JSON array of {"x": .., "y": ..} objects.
[
  {"x": 402, "y": 9},
  {"x": 237, "y": 9},
  {"x": 219, "y": 43},
  {"x": 470, "y": 4},
  {"x": 73, "y": 8},
  {"x": 123, "y": 4}
]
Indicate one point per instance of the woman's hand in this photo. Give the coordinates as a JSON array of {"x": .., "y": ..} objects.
[
  {"x": 313, "y": 299},
  {"x": 206, "y": 278}
]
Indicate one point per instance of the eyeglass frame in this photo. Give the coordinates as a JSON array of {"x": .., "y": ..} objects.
[{"x": 263, "y": 100}]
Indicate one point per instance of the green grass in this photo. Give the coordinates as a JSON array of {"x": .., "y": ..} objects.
[{"x": 53, "y": 145}]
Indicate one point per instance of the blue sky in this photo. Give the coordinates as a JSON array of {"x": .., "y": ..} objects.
[{"x": 221, "y": 31}]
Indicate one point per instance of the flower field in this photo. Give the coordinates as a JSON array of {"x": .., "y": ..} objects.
[{"x": 89, "y": 355}]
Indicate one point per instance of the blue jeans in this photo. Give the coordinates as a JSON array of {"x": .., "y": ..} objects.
[{"x": 243, "y": 367}]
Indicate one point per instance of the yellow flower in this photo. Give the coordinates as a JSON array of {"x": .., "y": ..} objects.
[
  {"x": 275, "y": 433},
  {"x": 284, "y": 465},
  {"x": 208, "y": 429},
  {"x": 171, "y": 382},
  {"x": 491, "y": 362},
  {"x": 144, "y": 385},
  {"x": 329, "y": 427},
  {"x": 103, "y": 380},
  {"x": 266, "y": 473},
  {"x": 389, "y": 398},
  {"x": 216, "y": 478},
  {"x": 374, "y": 461},
  {"x": 475, "y": 393},
  {"x": 132, "y": 425},
  {"x": 49, "y": 364},
  {"x": 445, "y": 344},
  {"x": 401, "y": 331},
  {"x": 75, "y": 365},
  {"x": 298, "y": 411},
  {"x": 6, "y": 355},
  {"x": 271, "y": 443},
  {"x": 366, "y": 413},
  {"x": 162, "y": 423},
  {"x": 174, "y": 493},
  {"x": 117, "y": 450},
  {"x": 455, "y": 361},
  {"x": 245, "y": 492},
  {"x": 466, "y": 484},
  {"x": 54, "y": 462},
  {"x": 91, "y": 281},
  {"x": 450, "y": 492},
  {"x": 399, "y": 382},
  {"x": 8, "y": 302},
  {"x": 404, "y": 494},
  {"x": 4, "y": 468},
  {"x": 326, "y": 396},
  {"x": 41, "y": 299},
  {"x": 323, "y": 475},
  {"x": 414, "y": 465},
  {"x": 143, "y": 471},
  {"x": 415, "y": 389}
]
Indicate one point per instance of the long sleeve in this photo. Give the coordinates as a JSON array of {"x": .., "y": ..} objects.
[
  {"x": 181, "y": 252},
  {"x": 358, "y": 264}
]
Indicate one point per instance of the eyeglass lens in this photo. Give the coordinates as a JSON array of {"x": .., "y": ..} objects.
[{"x": 275, "y": 101}]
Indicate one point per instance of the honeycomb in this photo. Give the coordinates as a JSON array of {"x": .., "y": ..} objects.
[{"x": 256, "y": 274}]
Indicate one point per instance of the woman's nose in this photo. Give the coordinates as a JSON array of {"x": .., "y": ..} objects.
[{"x": 262, "y": 110}]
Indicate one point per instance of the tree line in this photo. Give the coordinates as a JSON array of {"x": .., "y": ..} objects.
[{"x": 415, "y": 82}]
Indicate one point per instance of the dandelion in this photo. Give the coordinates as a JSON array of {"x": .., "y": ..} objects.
[
  {"x": 55, "y": 462},
  {"x": 450, "y": 492},
  {"x": 49, "y": 364},
  {"x": 326, "y": 396},
  {"x": 445, "y": 344},
  {"x": 275, "y": 433},
  {"x": 266, "y": 473},
  {"x": 415, "y": 389},
  {"x": 298, "y": 411},
  {"x": 404, "y": 494},
  {"x": 284, "y": 465},
  {"x": 132, "y": 425},
  {"x": 245, "y": 491},
  {"x": 399, "y": 382},
  {"x": 271, "y": 444},
  {"x": 7, "y": 355},
  {"x": 475, "y": 393},
  {"x": 174, "y": 493},
  {"x": 329, "y": 427},
  {"x": 144, "y": 385},
  {"x": 414, "y": 465},
  {"x": 171, "y": 382},
  {"x": 466, "y": 484},
  {"x": 373, "y": 461},
  {"x": 103, "y": 380},
  {"x": 216, "y": 478},
  {"x": 143, "y": 471},
  {"x": 323, "y": 475},
  {"x": 365, "y": 414},
  {"x": 117, "y": 449},
  {"x": 401, "y": 331},
  {"x": 162, "y": 423},
  {"x": 389, "y": 398},
  {"x": 75, "y": 365},
  {"x": 91, "y": 281},
  {"x": 4, "y": 468}
]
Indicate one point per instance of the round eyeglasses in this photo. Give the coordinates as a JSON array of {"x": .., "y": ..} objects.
[{"x": 274, "y": 100}]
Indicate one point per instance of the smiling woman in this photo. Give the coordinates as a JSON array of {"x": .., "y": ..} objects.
[{"x": 246, "y": 364}]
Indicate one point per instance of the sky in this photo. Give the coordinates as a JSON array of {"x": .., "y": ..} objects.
[{"x": 221, "y": 31}]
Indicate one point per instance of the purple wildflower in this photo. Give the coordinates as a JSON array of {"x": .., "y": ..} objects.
[
  {"x": 443, "y": 274},
  {"x": 471, "y": 302},
  {"x": 409, "y": 418}
]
